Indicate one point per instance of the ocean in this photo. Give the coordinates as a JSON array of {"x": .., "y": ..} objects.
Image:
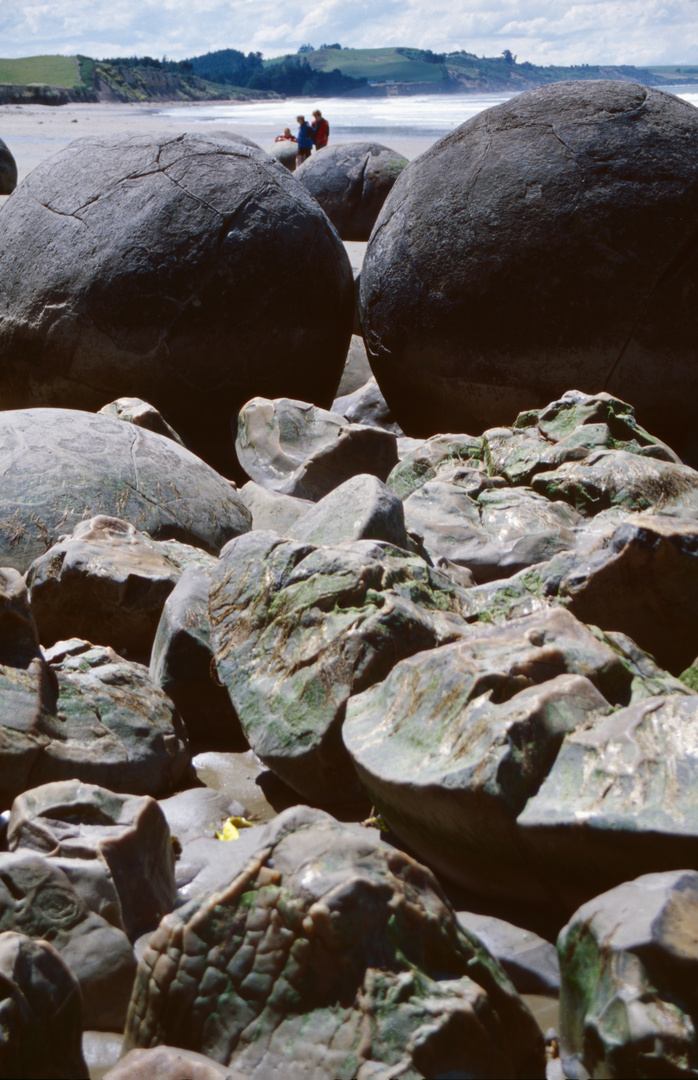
[{"x": 425, "y": 117}]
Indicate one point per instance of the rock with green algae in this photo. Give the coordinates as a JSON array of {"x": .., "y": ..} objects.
[
  {"x": 431, "y": 457},
  {"x": 298, "y": 629},
  {"x": 334, "y": 955},
  {"x": 629, "y": 962},
  {"x": 621, "y": 798},
  {"x": 454, "y": 745}
]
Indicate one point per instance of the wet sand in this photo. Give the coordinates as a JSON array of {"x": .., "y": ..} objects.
[{"x": 36, "y": 132}]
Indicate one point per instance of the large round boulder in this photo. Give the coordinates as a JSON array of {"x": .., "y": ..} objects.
[
  {"x": 351, "y": 181},
  {"x": 188, "y": 270},
  {"x": 8, "y": 170},
  {"x": 546, "y": 243},
  {"x": 285, "y": 151},
  {"x": 59, "y": 466}
]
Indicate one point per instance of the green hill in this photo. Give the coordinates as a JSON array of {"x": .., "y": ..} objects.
[
  {"x": 62, "y": 71},
  {"x": 398, "y": 65}
]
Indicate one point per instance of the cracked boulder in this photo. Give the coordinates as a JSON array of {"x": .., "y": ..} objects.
[
  {"x": 126, "y": 840},
  {"x": 543, "y": 244},
  {"x": 362, "y": 508},
  {"x": 629, "y": 963},
  {"x": 179, "y": 272},
  {"x": 8, "y": 169},
  {"x": 456, "y": 745},
  {"x": 335, "y": 955},
  {"x": 297, "y": 449},
  {"x": 135, "y": 411},
  {"x": 351, "y": 181},
  {"x": 60, "y": 466},
  {"x": 106, "y": 582},
  {"x": 37, "y": 898},
  {"x": 41, "y": 1006},
  {"x": 298, "y": 629}
]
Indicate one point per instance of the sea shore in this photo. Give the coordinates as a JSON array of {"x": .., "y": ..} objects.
[{"x": 36, "y": 132}]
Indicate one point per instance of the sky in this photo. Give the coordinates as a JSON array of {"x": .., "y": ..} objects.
[{"x": 639, "y": 32}]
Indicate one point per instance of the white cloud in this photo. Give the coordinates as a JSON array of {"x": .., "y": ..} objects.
[{"x": 588, "y": 31}]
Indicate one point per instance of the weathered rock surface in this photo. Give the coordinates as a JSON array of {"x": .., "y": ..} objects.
[
  {"x": 628, "y": 960},
  {"x": 38, "y": 899},
  {"x": 495, "y": 534},
  {"x": 180, "y": 664},
  {"x": 413, "y": 992},
  {"x": 105, "y": 582},
  {"x": 142, "y": 414},
  {"x": 179, "y": 264},
  {"x": 41, "y": 1010},
  {"x": 432, "y": 456},
  {"x": 169, "y": 1063},
  {"x": 110, "y": 725},
  {"x": 285, "y": 153},
  {"x": 362, "y": 508},
  {"x": 540, "y": 245},
  {"x": 351, "y": 182},
  {"x": 61, "y": 466},
  {"x": 272, "y": 510},
  {"x": 529, "y": 960},
  {"x": 198, "y": 812},
  {"x": 8, "y": 169},
  {"x": 297, "y": 449},
  {"x": 366, "y": 405},
  {"x": 127, "y": 836},
  {"x": 298, "y": 629},
  {"x": 454, "y": 745}
]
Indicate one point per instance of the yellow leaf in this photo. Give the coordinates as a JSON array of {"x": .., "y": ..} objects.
[{"x": 231, "y": 827}]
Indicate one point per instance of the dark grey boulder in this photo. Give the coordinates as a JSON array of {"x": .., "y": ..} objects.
[
  {"x": 325, "y": 925},
  {"x": 60, "y": 466},
  {"x": 8, "y": 170},
  {"x": 541, "y": 245},
  {"x": 529, "y": 960},
  {"x": 180, "y": 664},
  {"x": 37, "y": 898},
  {"x": 300, "y": 450},
  {"x": 285, "y": 152},
  {"x": 351, "y": 181},
  {"x": 297, "y": 629},
  {"x": 629, "y": 963},
  {"x": 226, "y": 133},
  {"x": 41, "y": 1010},
  {"x": 180, "y": 272}
]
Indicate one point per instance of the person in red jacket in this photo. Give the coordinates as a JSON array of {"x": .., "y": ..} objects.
[{"x": 321, "y": 129}]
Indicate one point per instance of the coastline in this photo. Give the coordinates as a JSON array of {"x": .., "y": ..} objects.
[{"x": 36, "y": 132}]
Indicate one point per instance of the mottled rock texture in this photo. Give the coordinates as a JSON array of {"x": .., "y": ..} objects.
[
  {"x": 135, "y": 411},
  {"x": 61, "y": 466},
  {"x": 628, "y": 960},
  {"x": 297, "y": 629},
  {"x": 351, "y": 181},
  {"x": 300, "y": 450},
  {"x": 180, "y": 270},
  {"x": 272, "y": 974},
  {"x": 546, "y": 243}
]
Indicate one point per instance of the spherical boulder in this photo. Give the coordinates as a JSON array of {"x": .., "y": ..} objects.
[
  {"x": 547, "y": 243},
  {"x": 351, "y": 181},
  {"x": 190, "y": 271},
  {"x": 60, "y": 466},
  {"x": 8, "y": 170},
  {"x": 284, "y": 151}
]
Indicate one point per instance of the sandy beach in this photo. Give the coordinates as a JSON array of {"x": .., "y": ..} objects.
[{"x": 36, "y": 132}]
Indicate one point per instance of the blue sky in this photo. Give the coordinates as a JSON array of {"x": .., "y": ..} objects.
[{"x": 542, "y": 31}]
